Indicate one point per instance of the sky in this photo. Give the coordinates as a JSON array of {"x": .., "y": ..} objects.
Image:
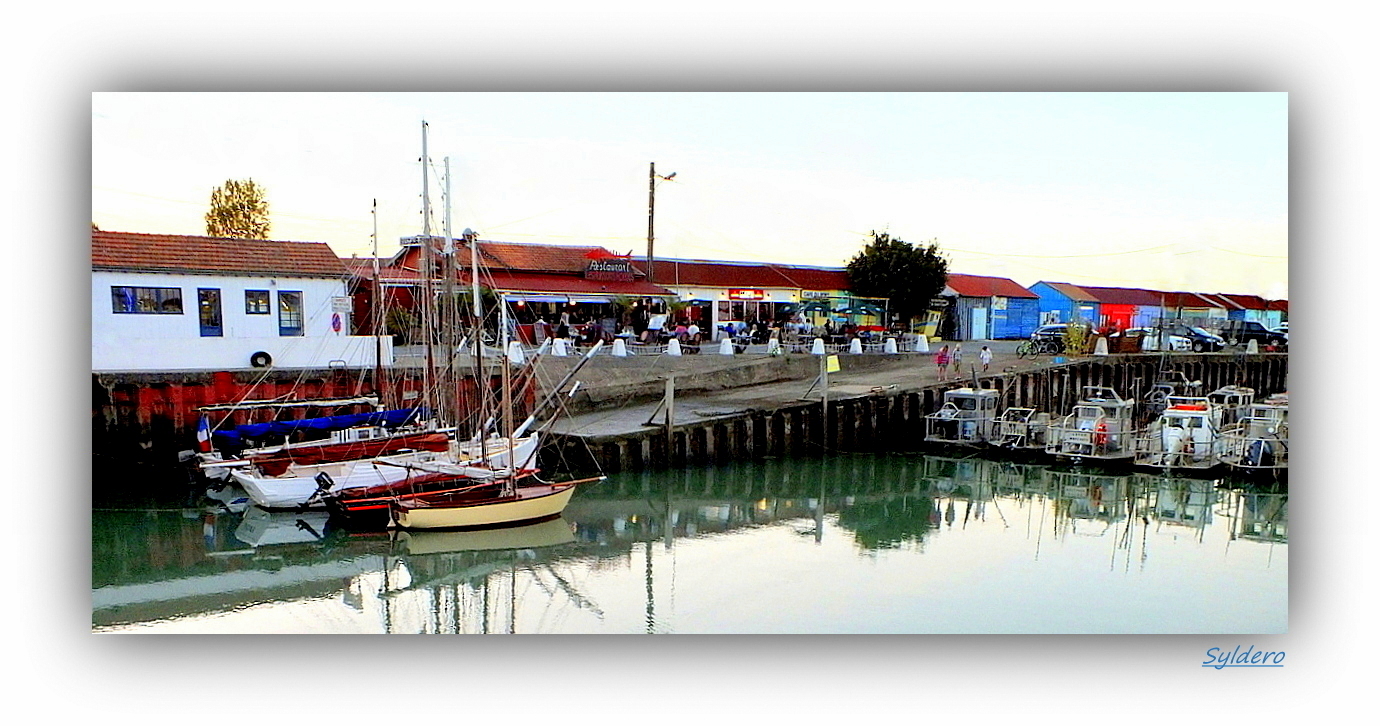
[{"x": 1167, "y": 191}]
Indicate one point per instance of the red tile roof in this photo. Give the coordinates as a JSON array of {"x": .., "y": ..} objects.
[
  {"x": 179, "y": 253},
  {"x": 1281, "y": 305},
  {"x": 704, "y": 273},
  {"x": 1246, "y": 302},
  {"x": 1123, "y": 295},
  {"x": 1188, "y": 300},
  {"x": 570, "y": 285},
  {"x": 982, "y": 286}
]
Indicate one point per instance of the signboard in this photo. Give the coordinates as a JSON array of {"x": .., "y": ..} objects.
[
  {"x": 619, "y": 269},
  {"x": 744, "y": 294},
  {"x": 939, "y": 303},
  {"x": 341, "y": 304},
  {"x": 335, "y": 322},
  {"x": 814, "y": 295},
  {"x": 831, "y": 364}
]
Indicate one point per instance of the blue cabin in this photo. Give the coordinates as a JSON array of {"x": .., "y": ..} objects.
[{"x": 1061, "y": 302}]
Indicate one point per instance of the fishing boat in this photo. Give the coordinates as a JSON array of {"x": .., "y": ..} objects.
[
  {"x": 966, "y": 417},
  {"x": 1021, "y": 429},
  {"x": 1185, "y": 436},
  {"x": 1100, "y": 427},
  {"x": 1259, "y": 441}
]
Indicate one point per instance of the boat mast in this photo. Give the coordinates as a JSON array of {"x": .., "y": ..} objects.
[
  {"x": 377, "y": 311},
  {"x": 449, "y": 315},
  {"x": 428, "y": 301}
]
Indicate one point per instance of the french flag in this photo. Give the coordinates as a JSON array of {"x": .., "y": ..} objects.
[{"x": 203, "y": 435}]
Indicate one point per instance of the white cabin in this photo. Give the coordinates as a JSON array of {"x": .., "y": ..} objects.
[{"x": 165, "y": 303}]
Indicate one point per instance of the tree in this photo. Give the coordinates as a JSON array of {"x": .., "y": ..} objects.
[
  {"x": 907, "y": 275},
  {"x": 239, "y": 209}
]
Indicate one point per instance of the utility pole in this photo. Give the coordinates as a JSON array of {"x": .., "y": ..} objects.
[{"x": 651, "y": 213}]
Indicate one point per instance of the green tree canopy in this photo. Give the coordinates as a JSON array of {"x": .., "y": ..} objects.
[
  {"x": 238, "y": 209},
  {"x": 907, "y": 275}
]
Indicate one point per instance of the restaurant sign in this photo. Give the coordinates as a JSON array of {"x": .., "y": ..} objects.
[
  {"x": 744, "y": 294},
  {"x": 618, "y": 269}
]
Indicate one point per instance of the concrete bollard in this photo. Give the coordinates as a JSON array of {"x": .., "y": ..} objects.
[
  {"x": 620, "y": 349},
  {"x": 890, "y": 346},
  {"x": 515, "y": 354},
  {"x": 817, "y": 347},
  {"x": 1101, "y": 347},
  {"x": 1252, "y": 347},
  {"x": 855, "y": 346},
  {"x": 559, "y": 349},
  {"x": 922, "y": 344},
  {"x": 726, "y": 346},
  {"x": 673, "y": 347}
]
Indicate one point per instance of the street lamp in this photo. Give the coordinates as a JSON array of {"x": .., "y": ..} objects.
[{"x": 652, "y": 176}]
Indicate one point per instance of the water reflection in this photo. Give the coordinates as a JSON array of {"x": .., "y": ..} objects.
[{"x": 647, "y": 552}]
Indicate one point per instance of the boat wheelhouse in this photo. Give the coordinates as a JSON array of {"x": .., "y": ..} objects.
[
  {"x": 966, "y": 417},
  {"x": 1021, "y": 429},
  {"x": 1184, "y": 436},
  {"x": 1260, "y": 440},
  {"x": 1101, "y": 426}
]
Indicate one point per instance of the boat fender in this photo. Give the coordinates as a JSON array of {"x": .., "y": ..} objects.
[
  {"x": 261, "y": 360},
  {"x": 1100, "y": 438}
]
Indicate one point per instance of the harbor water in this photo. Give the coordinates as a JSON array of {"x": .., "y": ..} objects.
[{"x": 846, "y": 544}]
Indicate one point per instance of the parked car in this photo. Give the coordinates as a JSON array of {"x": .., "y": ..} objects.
[
  {"x": 1051, "y": 335},
  {"x": 1150, "y": 339},
  {"x": 1240, "y": 332},
  {"x": 1200, "y": 340}
]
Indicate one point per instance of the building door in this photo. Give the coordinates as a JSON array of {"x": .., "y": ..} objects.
[
  {"x": 979, "y": 331},
  {"x": 208, "y": 312}
]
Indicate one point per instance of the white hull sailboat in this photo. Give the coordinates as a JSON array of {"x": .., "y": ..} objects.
[{"x": 303, "y": 486}]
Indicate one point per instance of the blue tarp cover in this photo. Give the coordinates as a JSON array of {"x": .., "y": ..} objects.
[{"x": 390, "y": 419}]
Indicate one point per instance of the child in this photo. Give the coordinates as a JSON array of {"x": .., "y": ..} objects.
[
  {"x": 985, "y": 355},
  {"x": 941, "y": 361}
]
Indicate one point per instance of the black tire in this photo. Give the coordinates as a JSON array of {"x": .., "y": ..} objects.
[
  {"x": 1198, "y": 346},
  {"x": 1025, "y": 349},
  {"x": 261, "y": 360},
  {"x": 1277, "y": 343}
]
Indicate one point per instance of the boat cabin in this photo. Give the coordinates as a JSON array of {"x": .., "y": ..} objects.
[
  {"x": 1101, "y": 426},
  {"x": 966, "y": 417},
  {"x": 1184, "y": 435},
  {"x": 1260, "y": 440},
  {"x": 1022, "y": 428}
]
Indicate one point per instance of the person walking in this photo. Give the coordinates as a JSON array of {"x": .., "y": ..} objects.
[
  {"x": 985, "y": 355},
  {"x": 958, "y": 360},
  {"x": 941, "y": 362}
]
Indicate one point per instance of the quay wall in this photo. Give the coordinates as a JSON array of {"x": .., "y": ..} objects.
[
  {"x": 892, "y": 420},
  {"x": 148, "y": 417}
]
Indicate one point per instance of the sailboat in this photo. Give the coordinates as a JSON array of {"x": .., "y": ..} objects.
[{"x": 498, "y": 482}]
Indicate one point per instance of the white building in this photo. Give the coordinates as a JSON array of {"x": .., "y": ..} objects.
[{"x": 166, "y": 302}]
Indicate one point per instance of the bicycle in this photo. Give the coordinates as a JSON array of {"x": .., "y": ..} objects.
[{"x": 1036, "y": 348}]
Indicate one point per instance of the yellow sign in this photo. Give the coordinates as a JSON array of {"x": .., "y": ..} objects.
[{"x": 833, "y": 364}]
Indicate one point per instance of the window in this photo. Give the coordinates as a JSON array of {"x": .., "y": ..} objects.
[
  {"x": 256, "y": 302},
  {"x": 289, "y": 312},
  {"x": 208, "y": 311},
  {"x": 146, "y": 300}
]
